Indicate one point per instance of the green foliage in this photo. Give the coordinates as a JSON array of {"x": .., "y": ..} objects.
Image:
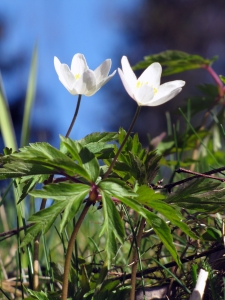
[
  {"x": 72, "y": 195},
  {"x": 112, "y": 228},
  {"x": 175, "y": 62},
  {"x": 208, "y": 99},
  {"x": 199, "y": 195},
  {"x": 135, "y": 163},
  {"x": 75, "y": 178},
  {"x": 148, "y": 197}
]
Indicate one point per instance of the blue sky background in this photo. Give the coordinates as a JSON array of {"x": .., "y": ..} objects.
[{"x": 63, "y": 28}]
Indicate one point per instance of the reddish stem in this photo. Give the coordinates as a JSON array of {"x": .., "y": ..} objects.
[{"x": 216, "y": 78}]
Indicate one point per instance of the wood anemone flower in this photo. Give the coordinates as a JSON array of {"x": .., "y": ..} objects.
[
  {"x": 146, "y": 90},
  {"x": 80, "y": 79}
]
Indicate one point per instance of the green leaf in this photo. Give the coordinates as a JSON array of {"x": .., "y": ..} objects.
[
  {"x": 196, "y": 187},
  {"x": 84, "y": 280},
  {"x": 109, "y": 285},
  {"x": 31, "y": 234},
  {"x": 72, "y": 208},
  {"x": 96, "y": 141},
  {"x": 158, "y": 224},
  {"x": 212, "y": 234},
  {"x": 90, "y": 164},
  {"x": 112, "y": 227},
  {"x": 175, "y": 61},
  {"x": 72, "y": 194},
  {"x": 115, "y": 187},
  {"x": 148, "y": 197},
  {"x": 84, "y": 156},
  {"x": 201, "y": 195},
  {"x": 30, "y": 183},
  {"x": 43, "y": 220},
  {"x": 40, "y": 158},
  {"x": 38, "y": 295},
  {"x": 71, "y": 147},
  {"x": 47, "y": 216},
  {"x": 61, "y": 191},
  {"x": 13, "y": 168}
]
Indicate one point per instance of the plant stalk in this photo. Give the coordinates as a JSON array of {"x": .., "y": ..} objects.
[
  {"x": 70, "y": 251},
  {"x": 75, "y": 116},
  {"x": 135, "y": 258},
  {"x": 123, "y": 143}
]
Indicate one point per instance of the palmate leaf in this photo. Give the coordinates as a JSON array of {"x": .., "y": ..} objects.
[
  {"x": 43, "y": 221},
  {"x": 11, "y": 167},
  {"x": 202, "y": 195},
  {"x": 72, "y": 194},
  {"x": 175, "y": 62},
  {"x": 112, "y": 228},
  {"x": 85, "y": 158},
  {"x": 158, "y": 224},
  {"x": 116, "y": 187},
  {"x": 90, "y": 164},
  {"x": 135, "y": 163},
  {"x": 29, "y": 184},
  {"x": 98, "y": 143},
  {"x": 148, "y": 197},
  {"x": 194, "y": 187},
  {"x": 39, "y": 158},
  {"x": 71, "y": 147},
  {"x": 98, "y": 137}
]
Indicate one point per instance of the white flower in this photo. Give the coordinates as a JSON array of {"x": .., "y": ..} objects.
[
  {"x": 80, "y": 79},
  {"x": 146, "y": 90}
]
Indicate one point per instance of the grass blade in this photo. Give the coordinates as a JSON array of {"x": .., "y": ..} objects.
[
  {"x": 6, "y": 125},
  {"x": 31, "y": 89}
]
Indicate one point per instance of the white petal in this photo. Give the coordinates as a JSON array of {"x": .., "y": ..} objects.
[
  {"x": 128, "y": 72},
  {"x": 79, "y": 64},
  {"x": 102, "y": 71},
  {"x": 167, "y": 91},
  {"x": 57, "y": 65},
  {"x": 165, "y": 98},
  {"x": 175, "y": 83},
  {"x": 104, "y": 81},
  {"x": 66, "y": 77},
  {"x": 144, "y": 95},
  {"x": 152, "y": 75},
  {"x": 128, "y": 87},
  {"x": 168, "y": 87},
  {"x": 86, "y": 83}
]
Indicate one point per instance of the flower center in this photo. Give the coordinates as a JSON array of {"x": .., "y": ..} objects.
[
  {"x": 140, "y": 84},
  {"x": 77, "y": 76}
]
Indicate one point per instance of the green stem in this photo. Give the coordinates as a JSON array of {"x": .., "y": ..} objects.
[
  {"x": 70, "y": 251},
  {"x": 75, "y": 116},
  {"x": 123, "y": 143},
  {"x": 136, "y": 255}
]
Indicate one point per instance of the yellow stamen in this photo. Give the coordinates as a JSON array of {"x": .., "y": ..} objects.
[
  {"x": 77, "y": 76},
  {"x": 140, "y": 84}
]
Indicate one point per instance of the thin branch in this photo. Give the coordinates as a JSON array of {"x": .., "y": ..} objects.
[
  {"x": 169, "y": 186},
  {"x": 70, "y": 250},
  {"x": 171, "y": 264},
  {"x": 14, "y": 231}
]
